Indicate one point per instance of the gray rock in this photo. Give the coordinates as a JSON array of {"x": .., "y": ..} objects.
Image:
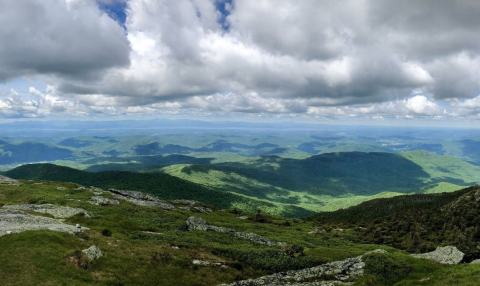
[
  {"x": 242, "y": 217},
  {"x": 476, "y": 261},
  {"x": 141, "y": 199},
  {"x": 342, "y": 271},
  {"x": 185, "y": 208},
  {"x": 9, "y": 181},
  {"x": 101, "y": 201},
  {"x": 92, "y": 252},
  {"x": 61, "y": 188},
  {"x": 196, "y": 223},
  {"x": 317, "y": 231},
  {"x": 258, "y": 239},
  {"x": 14, "y": 221},
  {"x": 56, "y": 211},
  {"x": 203, "y": 210},
  {"x": 185, "y": 202},
  {"x": 445, "y": 255}
]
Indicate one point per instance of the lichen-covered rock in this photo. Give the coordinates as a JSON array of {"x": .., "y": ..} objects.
[
  {"x": 476, "y": 261},
  {"x": 14, "y": 221},
  {"x": 93, "y": 252},
  {"x": 9, "y": 181},
  {"x": 196, "y": 223},
  {"x": 445, "y": 255},
  {"x": 141, "y": 199},
  {"x": 101, "y": 201},
  {"x": 56, "y": 211},
  {"x": 341, "y": 271}
]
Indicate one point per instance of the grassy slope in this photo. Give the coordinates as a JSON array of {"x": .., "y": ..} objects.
[
  {"x": 134, "y": 258},
  {"x": 162, "y": 185}
]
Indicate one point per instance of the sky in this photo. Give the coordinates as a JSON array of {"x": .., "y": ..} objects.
[{"x": 312, "y": 60}]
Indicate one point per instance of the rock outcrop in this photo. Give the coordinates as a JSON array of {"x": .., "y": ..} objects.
[
  {"x": 445, "y": 255},
  {"x": 196, "y": 223},
  {"x": 93, "y": 252},
  {"x": 14, "y": 221},
  {"x": 101, "y": 201},
  {"x": 141, "y": 199},
  {"x": 56, "y": 211},
  {"x": 9, "y": 181},
  {"x": 203, "y": 210},
  {"x": 341, "y": 271}
]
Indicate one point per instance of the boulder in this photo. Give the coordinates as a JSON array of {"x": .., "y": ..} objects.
[
  {"x": 92, "y": 252},
  {"x": 56, "y": 211},
  {"x": 476, "y": 261},
  {"x": 445, "y": 255}
]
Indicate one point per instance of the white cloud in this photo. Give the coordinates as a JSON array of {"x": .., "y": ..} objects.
[{"x": 352, "y": 58}]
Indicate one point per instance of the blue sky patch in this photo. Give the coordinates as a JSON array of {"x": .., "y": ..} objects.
[
  {"x": 221, "y": 6},
  {"x": 116, "y": 10}
]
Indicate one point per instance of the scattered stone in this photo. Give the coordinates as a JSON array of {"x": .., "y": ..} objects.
[
  {"x": 61, "y": 188},
  {"x": 141, "y": 199},
  {"x": 317, "y": 231},
  {"x": 152, "y": 232},
  {"x": 196, "y": 223},
  {"x": 15, "y": 221},
  {"x": 445, "y": 255},
  {"x": 341, "y": 271},
  {"x": 92, "y": 252},
  {"x": 9, "y": 181},
  {"x": 175, "y": 247},
  {"x": 101, "y": 201},
  {"x": 203, "y": 210},
  {"x": 78, "y": 226},
  {"x": 206, "y": 263},
  {"x": 339, "y": 229},
  {"x": 242, "y": 217},
  {"x": 56, "y": 211},
  {"x": 200, "y": 262},
  {"x": 185, "y": 208}
]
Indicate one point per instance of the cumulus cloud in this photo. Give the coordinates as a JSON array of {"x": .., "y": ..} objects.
[
  {"x": 64, "y": 38},
  {"x": 314, "y": 57}
]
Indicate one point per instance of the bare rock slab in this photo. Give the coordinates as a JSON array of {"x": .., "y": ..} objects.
[
  {"x": 141, "y": 199},
  {"x": 9, "y": 181},
  {"x": 445, "y": 255},
  {"x": 56, "y": 211},
  {"x": 15, "y": 221}
]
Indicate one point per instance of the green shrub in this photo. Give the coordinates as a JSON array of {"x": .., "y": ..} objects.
[
  {"x": 385, "y": 268},
  {"x": 106, "y": 232}
]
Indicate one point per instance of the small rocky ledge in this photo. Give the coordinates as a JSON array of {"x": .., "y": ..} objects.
[
  {"x": 196, "y": 223},
  {"x": 56, "y": 211},
  {"x": 342, "y": 271},
  {"x": 141, "y": 199}
]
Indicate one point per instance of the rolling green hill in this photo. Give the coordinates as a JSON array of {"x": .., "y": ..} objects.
[
  {"x": 163, "y": 185},
  {"x": 335, "y": 180}
]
